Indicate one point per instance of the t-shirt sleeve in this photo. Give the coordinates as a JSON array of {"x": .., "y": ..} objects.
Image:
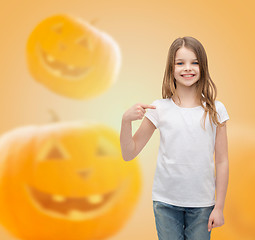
[
  {"x": 152, "y": 114},
  {"x": 222, "y": 111}
]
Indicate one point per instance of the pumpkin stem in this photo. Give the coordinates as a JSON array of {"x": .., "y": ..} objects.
[{"x": 54, "y": 116}]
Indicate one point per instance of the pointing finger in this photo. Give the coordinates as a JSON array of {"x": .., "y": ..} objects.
[{"x": 148, "y": 106}]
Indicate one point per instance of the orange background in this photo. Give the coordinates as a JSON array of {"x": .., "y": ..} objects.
[{"x": 144, "y": 31}]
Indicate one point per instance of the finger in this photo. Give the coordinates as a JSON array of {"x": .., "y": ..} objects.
[
  {"x": 214, "y": 225},
  {"x": 140, "y": 114},
  {"x": 141, "y": 110},
  {"x": 210, "y": 223},
  {"x": 148, "y": 106}
]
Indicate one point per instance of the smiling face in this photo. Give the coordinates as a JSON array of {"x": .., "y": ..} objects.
[
  {"x": 68, "y": 56},
  {"x": 70, "y": 177},
  {"x": 186, "y": 69}
]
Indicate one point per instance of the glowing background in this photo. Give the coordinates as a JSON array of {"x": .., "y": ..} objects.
[{"x": 144, "y": 31}]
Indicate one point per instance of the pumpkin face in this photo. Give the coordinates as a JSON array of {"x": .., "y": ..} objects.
[
  {"x": 69, "y": 178},
  {"x": 72, "y": 58}
]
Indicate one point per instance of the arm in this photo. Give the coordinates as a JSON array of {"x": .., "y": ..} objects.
[
  {"x": 216, "y": 218},
  {"x": 222, "y": 165},
  {"x": 132, "y": 146},
  {"x": 126, "y": 141}
]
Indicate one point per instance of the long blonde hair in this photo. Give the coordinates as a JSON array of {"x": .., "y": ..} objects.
[{"x": 206, "y": 89}]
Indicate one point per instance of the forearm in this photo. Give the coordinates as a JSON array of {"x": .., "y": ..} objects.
[
  {"x": 222, "y": 176},
  {"x": 126, "y": 141}
]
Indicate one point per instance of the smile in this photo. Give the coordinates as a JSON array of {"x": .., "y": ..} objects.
[
  {"x": 188, "y": 76},
  {"x": 75, "y": 208},
  {"x": 60, "y": 69}
]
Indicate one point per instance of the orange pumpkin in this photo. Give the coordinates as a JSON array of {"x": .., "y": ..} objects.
[
  {"x": 72, "y": 58},
  {"x": 65, "y": 181}
]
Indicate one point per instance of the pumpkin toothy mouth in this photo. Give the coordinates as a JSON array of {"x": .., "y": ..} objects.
[
  {"x": 60, "y": 69},
  {"x": 75, "y": 208}
]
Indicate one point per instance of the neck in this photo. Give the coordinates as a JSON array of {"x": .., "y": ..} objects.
[{"x": 187, "y": 95}]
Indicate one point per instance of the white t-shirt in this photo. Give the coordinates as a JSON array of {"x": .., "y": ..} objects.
[{"x": 185, "y": 171}]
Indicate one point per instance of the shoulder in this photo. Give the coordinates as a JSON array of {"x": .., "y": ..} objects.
[
  {"x": 219, "y": 105},
  {"x": 159, "y": 102},
  {"x": 221, "y": 110}
]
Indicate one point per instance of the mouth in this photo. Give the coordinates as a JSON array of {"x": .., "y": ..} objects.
[
  {"x": 60, "y": 69},
  {"x": 188, "y": 76},
  {"x": 75, "y": 208}
]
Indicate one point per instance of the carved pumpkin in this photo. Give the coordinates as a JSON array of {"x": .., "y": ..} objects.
[
  {"x": 65, "y": 181},
  {"x": 72, "y": 58}
]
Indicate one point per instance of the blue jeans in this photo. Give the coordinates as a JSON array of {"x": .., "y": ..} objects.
[{"x": 181, "y": 223}]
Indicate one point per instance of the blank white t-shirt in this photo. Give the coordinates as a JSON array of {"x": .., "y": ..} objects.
[{"x": 185, "y": 172}]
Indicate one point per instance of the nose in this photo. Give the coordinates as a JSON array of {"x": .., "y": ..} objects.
[
  {"x": 187, "y": 66},
  {"x": 61, "y": 46},
  {"x": 84, "y": 173}
]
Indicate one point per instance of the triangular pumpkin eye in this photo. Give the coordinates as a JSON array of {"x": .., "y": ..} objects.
[
  {"x": 55, "y": 153},
  {"x": 58, "y": 28},
  {"x": 52, "y": 150},
  {"x": 106, "y": 148},
  {"x": 85, "y": 42}
]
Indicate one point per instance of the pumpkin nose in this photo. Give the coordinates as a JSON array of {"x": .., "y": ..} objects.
[
  {"x": 84, "y": 173},
  {"x": 61, "y": 46}
]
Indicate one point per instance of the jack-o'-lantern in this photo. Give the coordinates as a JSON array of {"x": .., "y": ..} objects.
[
  {"x": 239, "y": 207},
  {"x": 72, "y": 57},
  {"x": 65, "y": 181}
]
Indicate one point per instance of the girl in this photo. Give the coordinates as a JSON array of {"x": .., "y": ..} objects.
[{"x": 192, "y": 126}]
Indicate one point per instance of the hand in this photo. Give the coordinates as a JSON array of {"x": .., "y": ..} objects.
[
  {"x": 216, "y": 219},
  {"x": 136, "y": 112}
]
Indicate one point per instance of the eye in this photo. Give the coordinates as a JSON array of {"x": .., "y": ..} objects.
[
  {"x": 58, "y": 28},
  {"x": 106, "y": 148},
  {"x": 179, "y": 63},
  {"x": 84, "y": 42},
  {"x": 52, "y": 150}
]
